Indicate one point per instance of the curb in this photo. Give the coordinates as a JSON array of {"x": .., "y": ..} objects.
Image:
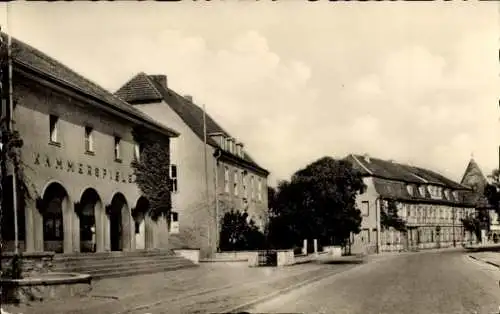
[{"x": 484, "y": 261}]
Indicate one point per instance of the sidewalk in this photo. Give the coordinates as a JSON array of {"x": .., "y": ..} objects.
[
  {"x": 120, "y": 295},
  {"x": 492, "y": 258}
]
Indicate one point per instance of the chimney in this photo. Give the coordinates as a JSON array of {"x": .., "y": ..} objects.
[
  {"x": 239, "y": 149},
  {"x": 366, "y": 157},
  {"x": 189, "y": 98},
  {"x": 160, "y": 79}
]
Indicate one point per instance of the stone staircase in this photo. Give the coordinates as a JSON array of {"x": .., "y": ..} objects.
[{"x": 120, "y": 264}]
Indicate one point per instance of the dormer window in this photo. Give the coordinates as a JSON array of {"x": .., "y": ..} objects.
[
  {"x": 410, "y": 189},
  {"x": 421, "y": 190},
  {"x": 447, "y": 194}
]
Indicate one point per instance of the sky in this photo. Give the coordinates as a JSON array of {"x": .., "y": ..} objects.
[{"x": 417, "y": 83}]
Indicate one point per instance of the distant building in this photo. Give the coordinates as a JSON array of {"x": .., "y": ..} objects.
[
  {"x": 78, "y": 147},
  {"x": 430, "y": 204},
  {"x": 474, "y": 178},
  {"x": 234, "y": 179}
]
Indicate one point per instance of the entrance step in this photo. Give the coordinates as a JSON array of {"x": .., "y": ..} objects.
[{"x": 120, "y": 264}]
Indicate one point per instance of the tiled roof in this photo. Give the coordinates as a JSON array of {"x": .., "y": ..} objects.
[
  {"x": 391, "y": 180},
  {"x": 391, "y": 189},
  {"x": 139, "y": 88},
  {"x": 474, "y": 178},
  {"x": 189, "y": 112},
  {"x": 400, "y": 172},
  {"x": 30, "y": 58}
]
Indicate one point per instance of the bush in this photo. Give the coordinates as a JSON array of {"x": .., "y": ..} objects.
[{"x": 240, "y": 234}]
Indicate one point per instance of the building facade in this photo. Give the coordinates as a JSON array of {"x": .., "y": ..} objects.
[
  {"x": 474, "y": 179},
  {"x": 212, "y": 170},
  {"x": 430, "y": 204},
  {"x": 81, "y": 194}
]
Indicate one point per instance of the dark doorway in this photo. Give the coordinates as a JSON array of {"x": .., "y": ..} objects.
[
  {"x": 115, "y": 214},
  {"x": 115, "y": 222},
  {"x": 55, "y": 197},
  {"x": 86, "y": 215}
]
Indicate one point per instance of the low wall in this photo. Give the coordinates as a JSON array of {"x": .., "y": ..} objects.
[
  {"x": 190, "y": 254},
  {"x": 31, "y": 264},
  {"x": 44, "y": 287},
  {"x": 285, "y": 257},
  {"x": 333, "y": 250},
  {"x": 253, "y": 260},
  {"x": 236, "y": 256}
]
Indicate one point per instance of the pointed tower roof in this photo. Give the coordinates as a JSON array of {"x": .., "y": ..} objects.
[{"x": 474, "y": 177}]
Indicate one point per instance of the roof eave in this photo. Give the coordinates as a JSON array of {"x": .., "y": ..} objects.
[
  {"x": 132, "y": 118},
  {"x": 241, "y": 161}
]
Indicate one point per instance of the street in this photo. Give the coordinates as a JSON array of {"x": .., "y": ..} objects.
[{"x": 428, "y": 282}]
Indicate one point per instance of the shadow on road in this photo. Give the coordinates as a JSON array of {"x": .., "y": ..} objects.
[{"x": 343, "y": 262}]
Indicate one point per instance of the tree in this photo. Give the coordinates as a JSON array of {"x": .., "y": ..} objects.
[
  {"x": 389, "y": 217},
  {"x": 319, "y": 202},
  {"x": 239, "y": 233},
  {"x": 472, "y": 224},
  {"x": 152, "y": 172},
  {"x": 492, "y": 190}
]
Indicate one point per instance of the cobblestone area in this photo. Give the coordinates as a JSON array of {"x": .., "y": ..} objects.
[{"x": 187, "y": 290}]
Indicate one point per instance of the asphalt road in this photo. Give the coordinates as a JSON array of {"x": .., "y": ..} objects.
[{"x": 427, "y": 282}]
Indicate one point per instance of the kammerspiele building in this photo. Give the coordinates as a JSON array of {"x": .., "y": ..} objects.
[{"x": 76, "y": 159}]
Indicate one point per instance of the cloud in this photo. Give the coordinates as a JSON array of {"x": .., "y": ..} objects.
[{"x": 423, "y": 91}]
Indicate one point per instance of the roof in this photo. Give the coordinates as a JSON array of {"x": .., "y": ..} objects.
[
  {"x": 474, "y": 178},
  {"x": 29, "y": 58},
  {"x": 391, "y": 180},
  {"x": 400, "y": 172},
  {"x": 145, "y": 88}
]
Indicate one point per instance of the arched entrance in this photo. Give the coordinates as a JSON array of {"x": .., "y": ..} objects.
[
  {"x": 88, "y": 211},
  {"x": 139, "y": 214},
  {"x": 119, "y": 223},
  {"x": 55, "y": 200}
]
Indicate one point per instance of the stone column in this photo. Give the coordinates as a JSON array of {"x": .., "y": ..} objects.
[
  {"x": 100, "y": 227},
  {"x": 304, "y": 247},
  {"x": 315, "y": 246},
  {"x": 126, "y": 228},
  {"x": 162, "y": 233},
  {"x": 67, "y": 212},
  {"x": 29, "y": 226},
  {"x": 106, "y": 232},
  {"x": 149, "y": 233},
  {"x": 38, "y": 229},
  {"x": 76, "y": 231}
]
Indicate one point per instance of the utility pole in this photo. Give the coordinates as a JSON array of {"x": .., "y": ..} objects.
[{"x": 2, "y": 155}]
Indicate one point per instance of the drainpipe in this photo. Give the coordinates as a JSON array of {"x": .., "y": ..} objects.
[
  {"x": 377, "y": 219},
  {"x": 217, "y": 233}
]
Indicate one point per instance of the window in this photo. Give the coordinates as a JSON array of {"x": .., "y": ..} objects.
[
  {"x": 365, "y": 208},
  {"x": 174, "y": 223},
  {"x": 137, "y": 151},
  {"x": 244, "y": 183},
  {"x": 252, "y": 186},
  {"x": 173, "y": 178},
  {"x": 421, "y": 189},
  {"x": 365, "y": 236},
  {"x": 89, "y": 139},
  {"x": 117, "y": 148},
  {"x": 409, "y": 188},
  {"x": 259, "y": 190},
  {"x": 236, "y": 183},
  {"x": 54, "y": 126},
  {"x": 226, "y": 179}
]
